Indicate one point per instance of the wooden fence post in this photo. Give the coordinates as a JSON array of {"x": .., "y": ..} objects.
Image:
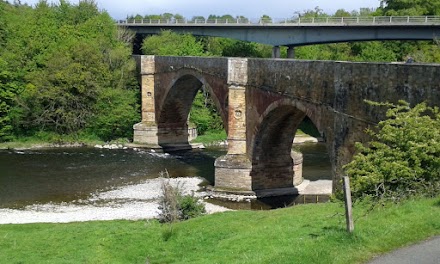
[{"x": 348, "y": 205}]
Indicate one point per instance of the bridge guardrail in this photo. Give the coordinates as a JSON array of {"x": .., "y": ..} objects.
[{"x": 300, "y": 21}]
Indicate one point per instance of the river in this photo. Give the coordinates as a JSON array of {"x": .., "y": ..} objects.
[{"x": 68, "y": 174}]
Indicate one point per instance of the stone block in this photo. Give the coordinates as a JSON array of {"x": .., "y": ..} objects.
[
  {"x": 145, "y": 133},
  {"x": 232, "y": 173},
  {"x": 237, "y": 71}
]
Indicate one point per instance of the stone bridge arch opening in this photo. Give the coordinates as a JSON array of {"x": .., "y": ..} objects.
[
  {"x": 276, "y": 166},
  {"x": 174, "y": 130}
]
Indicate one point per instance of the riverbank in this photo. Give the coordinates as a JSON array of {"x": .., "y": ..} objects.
[
  {"x": 123, "y": 143},
  {"x": 302, "y": 234},
  {"x": 132, "y": 202}
]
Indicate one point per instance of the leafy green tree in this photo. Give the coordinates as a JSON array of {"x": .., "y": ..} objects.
[
  {"x": 421, "y": 51},
  {"x": 213, "y": 45},
  {"x": 62, "y": 61},
  {"x": 410, "y": 7},
  {"x": 114, "y": 115},
  {"x": 316, "y": 12},
  {"x": 170, "y": 43},
  {"x": 222, "y": 18},
  {"x": 265, "y": 19},
  {"x": 61, "y": 96},
  {"x": 3, "y": 22},
  {"x": 425, "y": 52},
  {"x": 8, "y": 91},
  {"x": 372, "y": 51},
  {"x": 197, "y": 19},
  {"x": 236, "y": 48},
  {"x": 403, "y": 158},
  {"x": 342, "y": 13},
  {"x": 364, "y": 12},
  {"x": 204, "y": 114}
]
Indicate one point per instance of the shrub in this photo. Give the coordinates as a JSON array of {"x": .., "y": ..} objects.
[
  {"x": 174, "y": 206},
  {"x": 168, "y": 203},
  {"x": 190, "y": 207},
  {"x": 403, "y": 158}
]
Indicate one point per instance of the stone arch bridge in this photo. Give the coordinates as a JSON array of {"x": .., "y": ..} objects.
[{"x": 263, "y": 101}]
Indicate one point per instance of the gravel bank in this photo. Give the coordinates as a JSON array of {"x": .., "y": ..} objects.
[{"x": 133, "y": 202}]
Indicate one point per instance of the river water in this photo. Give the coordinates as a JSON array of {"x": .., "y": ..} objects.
[{"x": 68, "y": 174}]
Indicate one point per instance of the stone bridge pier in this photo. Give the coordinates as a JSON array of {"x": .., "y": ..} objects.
[{"x": 262, "y": 103}]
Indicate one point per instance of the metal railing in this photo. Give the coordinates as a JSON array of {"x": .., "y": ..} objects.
[{"x": 300, "y": 21}]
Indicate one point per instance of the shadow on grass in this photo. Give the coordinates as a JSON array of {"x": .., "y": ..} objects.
[
  {"x": 330, "y": 231},
  {"x": 335, "y": 229},
  {"x": 437, "y": 203}
]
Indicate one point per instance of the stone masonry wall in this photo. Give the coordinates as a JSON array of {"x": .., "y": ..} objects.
[{"x": 330, "y": 93}]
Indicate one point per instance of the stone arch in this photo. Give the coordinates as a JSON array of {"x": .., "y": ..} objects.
[
  {"x": 271, "y": 156},
  {"x": 176, "y": 105}
]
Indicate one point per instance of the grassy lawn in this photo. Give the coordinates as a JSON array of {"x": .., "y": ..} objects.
[
  {"x": 302, "y": 234},
  {"x": 211, "y": 136},
  {"x": 48, "y": 140}
]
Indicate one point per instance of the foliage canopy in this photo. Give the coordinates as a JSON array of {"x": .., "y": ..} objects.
[
  {"x": 64, "y": 69},
  {"x": 403, "y": 158}
]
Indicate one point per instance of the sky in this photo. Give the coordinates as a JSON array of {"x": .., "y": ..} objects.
[{"x": 119, "y": 9}]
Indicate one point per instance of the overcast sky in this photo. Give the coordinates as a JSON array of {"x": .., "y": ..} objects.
[{"x": 119, "y": 9}]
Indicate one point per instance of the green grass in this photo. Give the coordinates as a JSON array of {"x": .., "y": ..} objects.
[
  {"x": 45, "y": 139},
  {"x": 211, "y": 136},
  {"x": 301, "y": 234}
]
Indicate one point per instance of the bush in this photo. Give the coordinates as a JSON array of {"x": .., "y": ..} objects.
[
  {"x": 190, "y": 207},
  {"x": 403, "y": 158},
  {"x": 174, "y": 206}
]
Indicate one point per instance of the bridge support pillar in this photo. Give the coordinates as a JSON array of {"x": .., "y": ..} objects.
[
  {"x": 276, "y": 52},
  {"x": 145, "y": 132},
  {"x": 232, "y": 171},
  {"x": 291, "y": 52}
]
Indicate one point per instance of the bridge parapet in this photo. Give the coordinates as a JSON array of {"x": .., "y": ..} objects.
[{"x": 300, "y": 21}]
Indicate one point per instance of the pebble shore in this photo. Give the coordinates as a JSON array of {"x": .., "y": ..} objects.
[{"x": 133, "y": 202}]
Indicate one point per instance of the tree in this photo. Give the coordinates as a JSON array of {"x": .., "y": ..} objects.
[
  {"x": 3, "y": 22},
  {"x": 372, "y": 51},
  {"x": 198, "y": 19},
  {"x": 237, "y": 48},
  {"x": 8, "y": 91},
  {"x": 265, "y": 19},
  {"x": 204, "y": 114},
  {"x": 342, "y": 13},
  {"x": 403, "y": 157},
  {"x": 316, "y": 12},
  {"x": 410, "y": 7},
  {"x": 59, "y": 63},
  {"x": 222, "y": 18},
  {"x": 170, "y": 43}
]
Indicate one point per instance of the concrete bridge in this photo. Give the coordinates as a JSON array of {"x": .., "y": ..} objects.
[
  {"x": 299, "y": 31},
  {"x": 262, "y": 102}
]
